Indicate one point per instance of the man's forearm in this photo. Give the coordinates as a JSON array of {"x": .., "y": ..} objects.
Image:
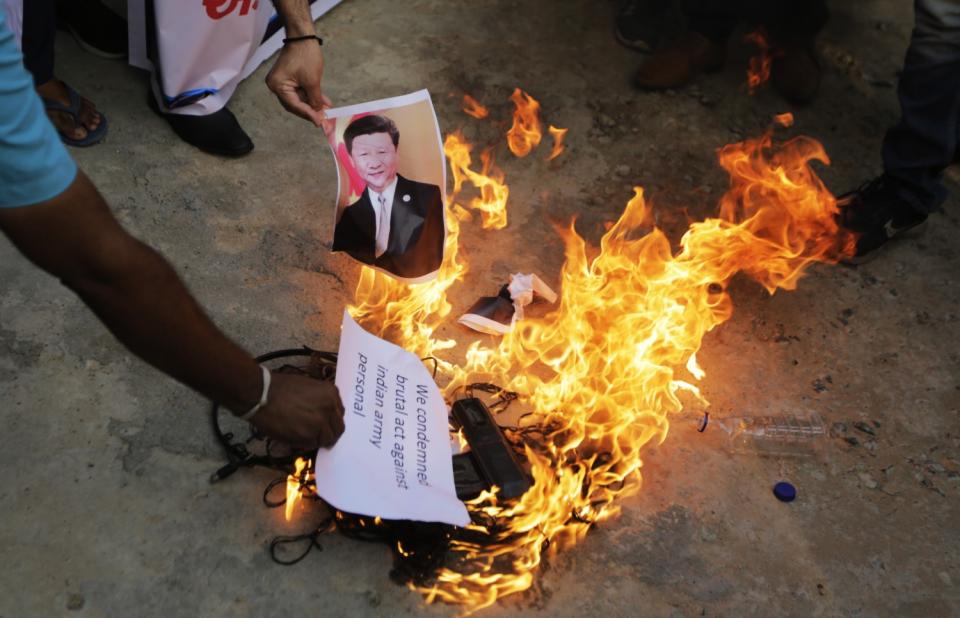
[
  {"x": 134, "y": 291},
  {"x": 147, "y": 308},
  {"x": 296, "y": 17},
  {"x": 139, "y": 297}
]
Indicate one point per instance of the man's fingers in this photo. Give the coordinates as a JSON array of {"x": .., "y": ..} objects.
[
  {"x": 334, "y": 415},
  {"x": 308, "y": 101},
  {"x": 328, "y": 126},
  {"x": 304, "y": 412},
  {"x": 333, "y": 396},
  {"x": 293, "y": 104},
  {"x": 329, "y": 437},
  {"x": 293, "y": 101},
  {"x": 307, "y": 443},
  {"x": 314, "y": 95},
  {"x": 338, "y": 426}
]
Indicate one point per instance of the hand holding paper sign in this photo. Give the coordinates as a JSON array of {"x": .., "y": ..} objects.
[
  {"x": 394, "y": 458},
  {"x": 301, "y": 411}
]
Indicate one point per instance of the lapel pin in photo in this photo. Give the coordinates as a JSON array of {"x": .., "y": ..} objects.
[
  {"x": 390, "y": 148},
  {"x": 496, "y": 315}
]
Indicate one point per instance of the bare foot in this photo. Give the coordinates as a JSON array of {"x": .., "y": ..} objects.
[{"x": 89, "y": 118}]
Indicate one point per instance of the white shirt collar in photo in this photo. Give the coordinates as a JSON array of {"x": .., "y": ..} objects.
[{"x": 387, "y": 194}]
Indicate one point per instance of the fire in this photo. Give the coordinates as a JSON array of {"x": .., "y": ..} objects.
[
  {"x": 492, "y": 202},
  {"x": 694, "y": 367},
  {"x": 558, "y": 147},
  {"x": 410, "y": 314},
  {"x": 758, "y": 71},
  {"x": 603, "y": 372},
  {"x": 294, "y": 485},
  {"x": 784, "y": 120},
  {"x": 525, "y": 134},
  {"x": 472, "y": 107}
]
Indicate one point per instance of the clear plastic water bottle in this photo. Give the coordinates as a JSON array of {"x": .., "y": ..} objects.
[{"x": 782, "y": 435}]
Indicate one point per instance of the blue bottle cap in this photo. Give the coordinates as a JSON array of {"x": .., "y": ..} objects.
[{"x": 785, "y": 492}]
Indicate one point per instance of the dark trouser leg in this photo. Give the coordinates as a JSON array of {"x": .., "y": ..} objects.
[
  {"x": 787, "y": 21},
  {"x": 714, "y": 19},
  {"x": 918, "y": 148},
  {"x": 790, "y": 23},
  {"x": 39, "y": 33}
]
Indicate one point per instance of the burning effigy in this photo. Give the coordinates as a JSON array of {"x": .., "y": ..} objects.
[{"x": 600, "y": 374}]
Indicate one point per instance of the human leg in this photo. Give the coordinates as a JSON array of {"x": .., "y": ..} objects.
[
  {"x": 791, "y": 27},
  {"x": 699, "y": 49},
  {"x": 39, "y": 35},
  {"x": 96, "y": 28},
  {"x": 925, "y": 140},
  {"x": 643, "y": 24},
  {"x": 198, "y": 57},
  {"x": 714, "y": 19}
]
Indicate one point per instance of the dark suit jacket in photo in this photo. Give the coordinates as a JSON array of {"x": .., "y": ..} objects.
[{"x": 415, "y": 246}]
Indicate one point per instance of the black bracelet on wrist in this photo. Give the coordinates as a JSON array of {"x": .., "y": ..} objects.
[{"x": 307, "y": 37}]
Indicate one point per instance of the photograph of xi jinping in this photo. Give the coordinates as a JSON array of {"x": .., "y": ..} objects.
[{"x": 397, "y": 223}]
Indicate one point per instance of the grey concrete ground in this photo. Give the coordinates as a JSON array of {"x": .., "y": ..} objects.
[{"x": 104, "y": 500}]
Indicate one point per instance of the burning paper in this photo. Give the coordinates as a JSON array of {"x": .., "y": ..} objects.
[
  {"x": 495, "y": 315},
  {"x": 393, "y": 459},
  {"x": 389, "y": 212}
]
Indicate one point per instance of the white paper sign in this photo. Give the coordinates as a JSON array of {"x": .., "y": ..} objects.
[{"x": 394, "y": 458}]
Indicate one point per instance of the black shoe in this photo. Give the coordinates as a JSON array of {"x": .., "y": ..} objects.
[
  {"x": 96, "y": 28},
  {"x": 642, "y": 24},
  {"x": 876, "y": 213},
  {"x": 218, "y": 133}
]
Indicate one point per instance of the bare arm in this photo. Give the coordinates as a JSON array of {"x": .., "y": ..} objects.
[
  {"x": 298, "y": 72},
  {"x": 296, "y": 16},
  {"x": 139, "y": 297}
]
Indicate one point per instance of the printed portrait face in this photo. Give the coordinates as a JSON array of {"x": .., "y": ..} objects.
[
  {"x": 375, "y": 158},
  {"x": 405, "y": 238}
]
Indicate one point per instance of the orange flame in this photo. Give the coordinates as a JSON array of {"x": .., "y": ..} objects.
[
  {"x": 294, "y": 485},
  {"x": 600, "y": 373},
  {"x": 601, "y": 369},
  {"x": 412, "y": 313},
  {"x": 784, "y": 120},
  {"x": 558, "y": 147},
  {"x": 758, "y": 70},
  {"x": 525, "y": 134},
  {"x": 474, "y": 108},
  {"x": 492, "y": 202}
]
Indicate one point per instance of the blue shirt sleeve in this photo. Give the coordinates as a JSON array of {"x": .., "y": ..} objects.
[{"x": 34, "y": 164}]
